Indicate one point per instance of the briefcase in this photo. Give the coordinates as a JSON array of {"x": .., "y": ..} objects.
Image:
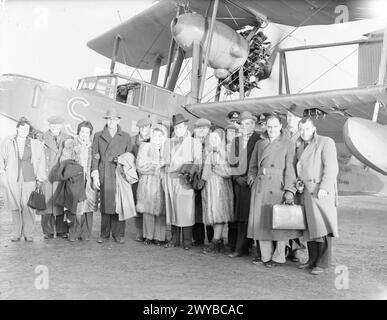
[
  {"x": 37, "y": 200},
  {"x": 287, "y": 217}
]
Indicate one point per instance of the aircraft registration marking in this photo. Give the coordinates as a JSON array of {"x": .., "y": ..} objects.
[{"x": 75, "y": 115}]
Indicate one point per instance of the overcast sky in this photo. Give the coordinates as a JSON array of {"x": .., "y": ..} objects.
[{"x": 47, "y": 40}]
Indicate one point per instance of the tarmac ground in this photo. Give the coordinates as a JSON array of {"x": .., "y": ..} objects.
[{"x": 88, "y": 270}]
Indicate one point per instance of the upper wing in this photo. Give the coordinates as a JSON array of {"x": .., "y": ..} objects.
[
  {"x": 147, "y": 35},
  {"x": 337, "y": 104}
]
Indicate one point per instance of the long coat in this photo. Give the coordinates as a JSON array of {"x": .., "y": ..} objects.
[
  {"x": 74, "y": 149},
  {"x": 53, "y": 152},
  {"x": 217, "y": 194},
  {"x": 272, "y": 166},
  {"x": 104, "y": 149},
  {"x": 317, "y": 166},
  {"x": 150, "y": 192},
  {"x": 239, "y": 158},
  {"x": 9, "y": 167},
  {"x": 179, "y": 196}
]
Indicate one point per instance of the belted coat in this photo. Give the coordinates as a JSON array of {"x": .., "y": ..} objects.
[
  {"x": 104, "y": 150},
  {"x": 318, "y": 168},
  {"x": 272, "y": 165}
]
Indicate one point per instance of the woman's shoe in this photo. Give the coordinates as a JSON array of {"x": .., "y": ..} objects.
[
  {"x": 257, "y": 261},
  {"x": 317, "y": 270},
  {"x": 28, "y": 239},
  {"x": 147, "y": 242},
  {"x": 14, "y": 239},
  {"x": 169, "y": 245},
  {"x": 304, "y": 266},
  {"x": 268, "y": 264},
  {"x": 213, "y": 247}
]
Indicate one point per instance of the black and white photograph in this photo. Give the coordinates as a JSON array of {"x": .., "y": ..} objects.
[{"x": 193, "y": 150}]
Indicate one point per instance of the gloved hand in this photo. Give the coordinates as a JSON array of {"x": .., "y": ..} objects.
[
  {"x": 242, "y": 181},
  {"x": 250, "y": 181},
  {"x": 288, "y": 198}
]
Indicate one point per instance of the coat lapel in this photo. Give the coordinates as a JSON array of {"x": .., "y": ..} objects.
[
  {"x": 309, "y": 149},
  {"x": 269, "y": 148}
]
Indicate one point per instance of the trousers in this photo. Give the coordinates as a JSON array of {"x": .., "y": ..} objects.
[
  {"x": 320, "y": 252},
  {"x": 23, "y": 221},
  {"x": 186, "y": 233},
  {"x": 81, "y": 226},
  {"x": 51, "y": 223},
  {"x": 111, "y": 225},
  {"x": 268, "y": 252}
]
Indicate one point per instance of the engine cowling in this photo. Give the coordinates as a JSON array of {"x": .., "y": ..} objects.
[{"x": 228, "y": 51}]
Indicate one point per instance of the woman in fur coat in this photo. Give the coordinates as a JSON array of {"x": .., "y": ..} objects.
[
  {"x": 79, "y": 149},
  {"x": 218, "y": 197}
]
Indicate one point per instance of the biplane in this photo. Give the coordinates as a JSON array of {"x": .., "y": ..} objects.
[{"x": 225, "y": 35}]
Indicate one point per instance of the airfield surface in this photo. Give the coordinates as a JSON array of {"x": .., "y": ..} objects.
[{"x": 88, "y": 270}]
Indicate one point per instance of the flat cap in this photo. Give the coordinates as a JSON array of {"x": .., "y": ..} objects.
[
  {"x": 144, "y": 122},
  {"x": 247, "y": 115},
  {"x": 56, "y": 120},
  {"x": 202, "y": 123},
  {"x": 263, "y": 117}
]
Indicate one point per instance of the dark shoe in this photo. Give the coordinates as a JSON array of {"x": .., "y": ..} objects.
[
  {"x": 147, "y": 242},
  {"x": 62, "y": 235},
  {"x": 213, "y": 247},
  {"x": 317, "y": 270},
  {"x": 197, "y": 243},
  {"x": 268, "y": 264},
  {"x": 100, "y": 240},
  {"x": 257, "y": 261},
  {"x": 304, "y": 266},
  {"x": 48, "y": 236},
  {"x": 14, "y": 239},
  {"x": 221, "y": 246}
]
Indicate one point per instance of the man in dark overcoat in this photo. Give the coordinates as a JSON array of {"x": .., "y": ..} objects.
[
  {"x": 240, "y": 154},
  {"x": 108, "y": 144}
]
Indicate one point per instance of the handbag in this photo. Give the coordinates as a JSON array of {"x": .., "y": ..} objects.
[
  {"x": 37, "y": 200},
  {"x": 288, "y": 217}
]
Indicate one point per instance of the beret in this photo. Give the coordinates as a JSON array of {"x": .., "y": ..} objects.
[{"x": 55, "y": 120}]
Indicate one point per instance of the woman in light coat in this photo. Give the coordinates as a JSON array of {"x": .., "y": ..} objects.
[
  {"x": 22, "y": 169},
  {"x": 218, "y": 197},
  {"x": 150, "y": 192},
  {"x": 79, "y": 149}
]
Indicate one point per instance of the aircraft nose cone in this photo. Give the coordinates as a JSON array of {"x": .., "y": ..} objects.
[{"x": 367, "y": 141}]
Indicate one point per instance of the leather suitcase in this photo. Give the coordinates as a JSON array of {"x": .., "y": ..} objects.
[{"x": 287, "y": 217}]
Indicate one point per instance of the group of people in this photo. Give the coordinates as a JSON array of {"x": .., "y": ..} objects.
[{"x": 196, "y": 183}]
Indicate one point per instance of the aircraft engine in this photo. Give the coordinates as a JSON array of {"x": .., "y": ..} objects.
[{"x": 228, "y": 51}]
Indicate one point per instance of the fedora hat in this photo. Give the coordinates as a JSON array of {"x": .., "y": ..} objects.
[
  {"x": 296, "y": 110},
  {"x": 112, "y": 113},
  {"x": 178, "y": 118}
]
